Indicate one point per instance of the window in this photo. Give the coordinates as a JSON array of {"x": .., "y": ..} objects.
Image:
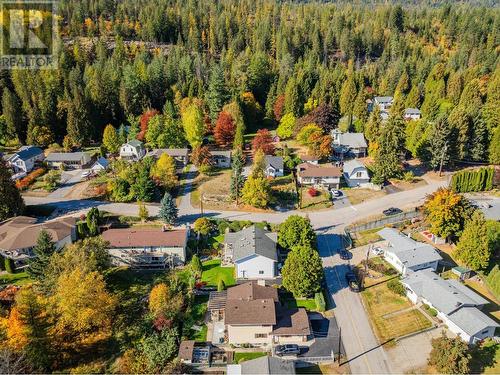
[
  {"x": 261, "y": 335},
  {"x": 261, "y": 272},
  {"x": 358, "y": 174},
  {"x": 484, "y": 332}
]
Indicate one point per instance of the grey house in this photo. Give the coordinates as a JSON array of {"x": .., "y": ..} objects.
[
  {"x": 264, "y": 365},
  {"x": 70, "y": 160},
  {"x": 221, "y": 158},
  {"x": 253, "y": 253},
  {"x": 348, "y": 144},
  {"x": 458, "y": 306},
  {"x": 274, "y": 166},
  {"x": 355, "y": 173},
  {"x": 24, "y": 160}
]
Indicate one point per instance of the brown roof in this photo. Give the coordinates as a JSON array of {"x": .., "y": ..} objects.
[
  {"x": 256, "y": 312},
  {"x": 186, "y": 350},
  {"x": 292, "y": 322},
  {"x": 308, "y": 157},
  {"x": 22, "y": 232},
  {"x": 133, "y": 237},
  {"x": 313, "y": 170},
  {"x": 252, "y": 291}
]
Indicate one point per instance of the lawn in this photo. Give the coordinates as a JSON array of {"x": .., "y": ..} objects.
[
  {"x": 19, "y": 278},
  {"x": 246, "y": 356},
  {"x": 357, "y": 196},
  {"x": 318, "y": 202},
  {"x": 212, "y": 272},
  {"x": 486, "y": 358},
  {"x": 365, "y": 237},
  {"x": 196, "y": 316},
  {"x": 308, "y": 303},
  {"x": 385, "y": 311}
]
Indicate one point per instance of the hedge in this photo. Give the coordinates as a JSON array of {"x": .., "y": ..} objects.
[
  {"x": 395, "y": 286},
  {"x": 473, "y": 180},
  {"x": 319, "y": 298},
  {"x": 2, "y": 263},
  {"x": 25, "y": 182},
  {"x": 10, "y": 267}
]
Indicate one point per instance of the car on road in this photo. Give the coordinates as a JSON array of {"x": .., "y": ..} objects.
[
  {"x": 335, "y": 193},
  {"x": 345, "y": 255},
  {"x": 392, "y": 211},
  {"x": 378, "y": 251},
  {"x": 352, "y": 281},
  {"x": 288, "y": 349}
]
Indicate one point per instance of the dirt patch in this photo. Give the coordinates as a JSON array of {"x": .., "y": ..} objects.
[
  {"x": 78, "y": 191},
  {"x": 357, "y": 196},
  {"x": 35, "y": 193}
]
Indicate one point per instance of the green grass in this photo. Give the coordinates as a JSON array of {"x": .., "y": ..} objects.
[
  {"x": 246, "y": 356},
  {"x": 486, "y": 358},
  {"x": 212, "y": 272},
  {"x": 195, "y": 316},
  {"x": 19, "y": 278},
  {"x": 309, "y": 304}
]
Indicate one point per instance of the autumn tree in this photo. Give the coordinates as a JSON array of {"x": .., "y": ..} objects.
[
  {"x": 193, "y": 123},
  {"x": 257, "y": 192},
  {"x": 144, "y": 122},
  {"x": 279, "y": 106},
  {"x": 225, "y": 129},
  {"x": 286, "y": 126},
  {"x": 203, "y": 226},
  {"x": 324, "y": 115},
  {"x": 450, "y": 355},
  {"x": 110, "y": 139},
  {"x": 12, "y": 203},
  {"x": 164, "y": 171},
  {"x": 263, "y": 140},
  {"x": 303, "y": 271},
  {"x": 202, "y": 158},
  {"x": 163, "y": 301},
  {"x": 308, "y": 131}
]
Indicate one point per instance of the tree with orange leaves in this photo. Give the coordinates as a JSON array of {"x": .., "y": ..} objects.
[
  {"x": 263, "y": 141},
  {"x": 224, "y": 129},
  {"x": 144, "y": 122}
]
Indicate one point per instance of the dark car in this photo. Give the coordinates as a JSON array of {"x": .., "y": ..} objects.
[
  {"x": 352, "y": 281},
  {"x": 392, "y": 211},
  {"x": 345, "y": 255},
  {"x": 288, "y": 349}
]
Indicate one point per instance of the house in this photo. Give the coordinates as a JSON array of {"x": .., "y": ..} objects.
[
  {"x": 383, "y": 102},
  {"x": 355, "y": 173},
  {"x": 180, "y": 155},
  {"x": 457, "y": 306},
  {"x": 406, "y": 254},
  {"x": 192, "y": 352},
  {"x": 412, "y": 114},
  {"x": 309, "y": 159},
  {"x": 253, "y": 253},
  {"x": 132, "y": 150},
  {"x": 145, "y": 248},
  {"x": 348, "y": 144},
  {"x": 70, "y": 160},
  {"x": 252, "y": 314},
  {"x": 324, "y": 175},
  {"x": 221, "y": 158},
  {"x": 262, "y": 366},
  {"x": 19, "y": 235},
  {"x": 274, "y": 166},
  {"x": 101, "y": 164},
  {"x": 24, "y": 160}
]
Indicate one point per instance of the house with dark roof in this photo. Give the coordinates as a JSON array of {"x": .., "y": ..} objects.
[
  {"x": 253, "y": 253},
  {"x": 274, "y": 166},
  {"x": 263, "y": 366},
  {"x": 347, "y": 145},
  {"x": 407, "y": 255},
  {"x": 147, "y": 248},
  {"x": 24, "y": 160},
  {"x": 252, "y": 314},
  {"x": 19, "y": 235},
  {"x": 457, "y": 306},
  {"x": 69, "y": 160},
  {"x": 132, "y": 150}
]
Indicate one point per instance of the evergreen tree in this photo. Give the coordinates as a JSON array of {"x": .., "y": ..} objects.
[
  {"x": 473, "y": 248},
  {"x": 11, "y": 203},
  {"x": 292, "y": 98},
  {"x": 11, "y": 109},
  {"x": 494, "y": 151},
  {"x": 168, "y": 209},
  {"x": 38, "y": 265},
  {"x": 217, "y": 94},
  {"x": 373, "y": 126},
  {"x": 450, "y": 355},
  {"x": 111, "y": 139},
  {"x": 237, "y": 178},
  {"x": 441, "y": 144},
  {"x": 397, "y": 18},
  {"x": 391, "y": 147},
  {"x": 92, "y": 221},
  {"x": 143, "y": 188},
  {"x": 348, "y": 96},
  {"x": 360, "y": 109}
]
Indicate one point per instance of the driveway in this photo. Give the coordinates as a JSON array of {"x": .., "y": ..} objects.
[
  {"x": 68, "y": 180},
  {"x": 326, "y": 338}
]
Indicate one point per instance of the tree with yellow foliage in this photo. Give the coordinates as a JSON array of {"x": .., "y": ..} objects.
[
  {"x": 164, "y": 302},
  {"x": 164, "y": 172}
]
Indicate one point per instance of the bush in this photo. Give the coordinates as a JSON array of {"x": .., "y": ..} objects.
[
  {"x": 220, "y": 285},
  {"x": 430, "y": 310},
  {"x": 10, "y": 267},
  {"x": 408, "y": 176},
  {"x": 319, "y": 298},
  {"x": 27, "y": 181},
  {"x": 380, "y": 267},
  {"x": 473, "y": 180},
  {"x": 395, "y": 286},
  {"x": 312, "y": 192}
]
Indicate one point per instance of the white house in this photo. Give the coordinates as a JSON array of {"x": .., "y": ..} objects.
[
  {"x": 132, "y": 150},
  {"x": 412, "y": 114},
  {"x": 274, "y": 166},
  {"x": 406, "y": 254},
  {"x": 221, "y": 158},
  {"x": 19, "y": 235},
  {"x": 24, "y": 160},
  {"x": 101, "y": 164},
  {"x": 70, "y": 160},
  {"x": 383, "y": 102},
  {"x": 348, "y": 144},
  {"x": 147, "y": 248},
  {"x": 253, "y": 253},
  {"x": 355, "y": 173},
  {"x": 323, "y": 175},
  {"x": 457, "y": 306}
]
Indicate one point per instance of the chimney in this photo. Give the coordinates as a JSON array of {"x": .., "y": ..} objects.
[{"x": 261, "y": 282}]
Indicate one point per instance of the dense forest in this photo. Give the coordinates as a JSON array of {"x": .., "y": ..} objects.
[{"x": 267, "y": 58}]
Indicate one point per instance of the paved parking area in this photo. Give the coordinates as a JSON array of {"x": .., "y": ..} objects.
[{"x": 326, "y": 336}]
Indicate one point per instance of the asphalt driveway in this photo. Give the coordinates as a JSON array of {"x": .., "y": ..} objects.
[{"x": 326, "y": 335}]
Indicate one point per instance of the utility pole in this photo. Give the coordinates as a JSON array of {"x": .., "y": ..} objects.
[
  {"x": 201, "y": 203},
  {"x": 365, "y": 272},
  {"x": 340, "y": 342},
  {"x": 442, "y": 159}
]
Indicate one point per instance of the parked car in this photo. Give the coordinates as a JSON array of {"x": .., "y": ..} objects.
[
  {"x": 391, "y": 211},
  {"x": 335, "y": 193},
  {"x": 288, "y": 349},
  {"x": 352, "y": 281},
  {"x": 345, "y": 255},
  {"x": 377, "y": 251}
]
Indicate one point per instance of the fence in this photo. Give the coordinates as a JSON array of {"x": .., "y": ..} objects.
[{"x": 403, "y": 216}]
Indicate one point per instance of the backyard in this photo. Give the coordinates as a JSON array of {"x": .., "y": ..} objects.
[
  {"x": 212, "y": 272},
  {"x": 246, "y": 356}
]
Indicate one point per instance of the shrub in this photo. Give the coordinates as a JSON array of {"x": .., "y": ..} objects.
[
  {"x": 430, "y": 310},
  {"x": 220, "y": 285},
  {"x": 395, "y": 286},
  {"x": 319, "y": 298},
  {"x": 10, "y": 267},
  {"x": 312, "y": 192},
  {"x": 25, "y": 182},
  {"x": 473, "y": 180},
  {"x": 408, "y": 176}
]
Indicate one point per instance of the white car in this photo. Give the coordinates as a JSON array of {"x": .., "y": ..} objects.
[
  {"x": 335, "y": 193},
  {"x": 377, "y": 251}
]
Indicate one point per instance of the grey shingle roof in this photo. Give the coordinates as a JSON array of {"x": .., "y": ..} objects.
[
  {"x": 252, "y": 240},
  {"x": 353, "y": 140},
  {"x": 472, "y": 320},
  {"x": 267, "y": 365},
  {"x": 173, "y": 152},
  {"x": 412, "y": 111},
  {"x": 351, "y": 165},
  {"x": 445, "y": 295},
  {"x": 68, "y": 156},
  {"x": 274, "y": 161},
  {"x": 409, "y": 252},
  {"x": 135, "y": 143},
  {"x": 383, "y": 99}
]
